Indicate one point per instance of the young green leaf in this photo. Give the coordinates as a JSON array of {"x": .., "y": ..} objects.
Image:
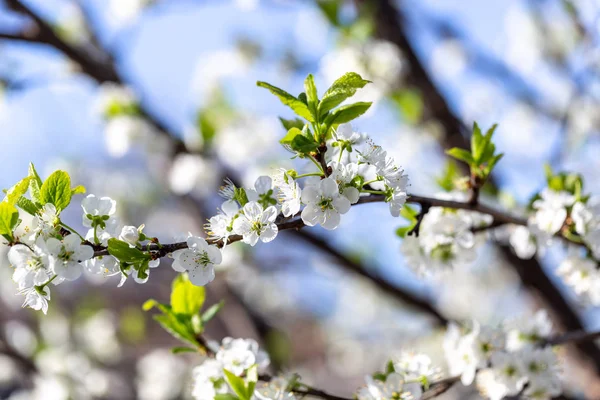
[
  {"x": 56, "y": 190},
  {"x": 226, "y": 396},
  {"x": 79, "y": 189},
  {"x": 177, "y": 328},
  {"x": 9, "y": 217},
  {"x": 183, "y": 349},
  {"x": 311, "y": 95},
  {"x": 297, "y": 105},
  {"x": 237, "y": 384},
  {"x": 342, "y": 89},
  {"x": 19, "y": 189},
  {"x": 461, "y": 154},
  {"x": 212, "y": 311},
  {"x": 289, "y": 137},
  {"x": 150, "y": 304},
  {"x": 292, "y": 123},
  {"x": 303, "y": 144},
  {"x": 28, "y": 206},
  {"x": 186, "y": 298},
  {"x": 347, "y": 113},
  {"x": 121, "y": 250},
  {"x": 35, "y": 184}
]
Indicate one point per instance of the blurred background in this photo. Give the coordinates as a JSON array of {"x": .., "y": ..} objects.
[{"x": 332, "y": 306}]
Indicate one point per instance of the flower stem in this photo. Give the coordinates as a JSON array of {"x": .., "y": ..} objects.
[
  {"x": 340, "y": 156},
  {"x": 42, "y": 286},
  {"x": 317, "y": 164},
  {"x": 372, "y": 191},
  {"x": 309, "y": 174},
  {"x": 72, "y": 230},
  {"x": 96, "y": 241},
  {"x": 371, "y": 181}
]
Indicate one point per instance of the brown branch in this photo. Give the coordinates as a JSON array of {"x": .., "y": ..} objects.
[{"x": 402, "y": 295}]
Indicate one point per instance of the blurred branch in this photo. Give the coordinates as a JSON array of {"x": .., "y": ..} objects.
[
  {"x": 402, "y": 295},
  {"x": 389, "y": 23}
]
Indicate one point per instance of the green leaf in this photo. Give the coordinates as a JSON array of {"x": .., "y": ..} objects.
[
  {"x": 177, "y": 328},
  {"x": 79, "y": 189},
  {"x": 35, "y": 184},
  {"x": 330, "y": 9},
  {"x": 403, "y": 231},
  {"x": 226, "y": 396},
  {"x": 342, "y": 89},
  {"x": 460, "y": 154},
  {"x": 28, "y": 206},
  {"x": 17, "y": 191},
  {"x": 186, "y": 298},
  {"x": 410, "y": 104},
  {"x": 289, "y": 137},
  {"x": 121, "y": 250},
  {"x": 292, "y": 123},
  {"x": 56, "y": 190},
  {"x": 183, "y": 349},
  {"x": 476, "y": 139},
  {"x": 212, "y": 311},
  {"x": 486, "y": 148},
  {"x": 9, "y": 217},
  {"x": 347, "y": 113},
  {"x": 150, "y": 304},
  {"x": 237, "y": 384},
  {"x": 303, "y": 144},
  {"x": 451, "y": 174},
  {"x": 409, "y": 213},
  {"x": 297, "y": 105},
  {"x": 311, "y": 95}
]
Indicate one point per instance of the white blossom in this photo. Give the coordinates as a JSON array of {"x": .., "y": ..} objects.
[
  {"x": 582, "y": 275},
  {"x": 67, "y": 256},
  {"x": 198, "y": 260},
  {"x": 99, "y": 207},
  {"x": 343, "y": 174},
  {"x": 324, "y": 204},
  {"x": 415, "y": 366},
  {"x": 237, "y": 355},
  {"x": 256, "y": 223},
  {"x": 263, "y": 192},
  {"x": 289, "y": 193},
  {"x": 45, "y": 224},
  {"x": 32, "y": 265},
  {"x": 220, "y": 226},
  {"x": 394, "y": 388},
  {"x": 130, "y": 234},
  {"x": 507, "y": 375},
  {"x": 36, "y": 298},
  {"x": 276, "y": 389},
  {"x": 551, "y": 210},
  {"x": 528, "y": 331},
  {"x": 466, "y": 353},
  {"x": 523, "y": 242}
]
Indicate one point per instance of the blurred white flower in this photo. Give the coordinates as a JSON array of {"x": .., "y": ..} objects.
[
  {"x": 160, "y": 375},
  {"x": 192, "y": 173}
]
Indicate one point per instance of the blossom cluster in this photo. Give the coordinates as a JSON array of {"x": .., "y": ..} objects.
[
  {"x": 445, "y": 239},
  {"x": 235, "y": 356},
  {"x": 562, "y": 211},
  {"x": 506, "y": 361},
  {"x": 403, "y": 379},
  {"x": 47, "y": 251}
]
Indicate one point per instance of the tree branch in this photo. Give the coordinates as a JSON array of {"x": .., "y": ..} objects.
[{"x": 389, "y": 23}]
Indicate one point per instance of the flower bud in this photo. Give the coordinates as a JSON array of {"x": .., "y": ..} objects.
[{"x": 130, "y": 235}]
